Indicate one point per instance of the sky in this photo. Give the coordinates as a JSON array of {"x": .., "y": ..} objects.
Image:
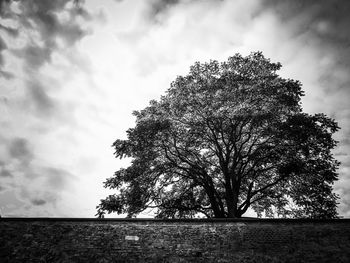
[{"x": 72, "y": 73}]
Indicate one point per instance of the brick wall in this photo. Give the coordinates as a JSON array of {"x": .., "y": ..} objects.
[{"x": 147, "y": 240}]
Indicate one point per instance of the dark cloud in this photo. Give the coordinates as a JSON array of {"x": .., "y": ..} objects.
[
  {"x": 325, "y": 21},
  {"x": 44, "y": 15},
  {"x": 6, "y": 75},
  {"x": 13, "y": 32},
  {"x": 3, "y": 46},
  {"x": 34, "y": 55},
  {"x": 3, "y": 5},
  {"x": 72, "y": 33},
  {"x": 38, "y": 202},
  {"x": 57, "y": 178},
  {"x": 38, "y": 198},
  {"x": 5, "y": 173},
  {"x": 157, "y": 8},
  {"x": 332, "y": 9},
  {"x": 19, "y": 149},
  {"x": 41, "y": 16},
  {"x": 38, "y": 97},
  {"x": 79, "y": 10},
  {"x": 160, "y": 6}
]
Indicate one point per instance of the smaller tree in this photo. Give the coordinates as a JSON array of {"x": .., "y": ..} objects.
[{"x": 226, "y": 137}]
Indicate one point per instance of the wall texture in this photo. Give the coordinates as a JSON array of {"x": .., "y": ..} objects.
[{"x": 147, "y": 240}]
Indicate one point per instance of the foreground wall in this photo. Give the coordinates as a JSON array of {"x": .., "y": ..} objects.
[{"x": 143, "y": 240}]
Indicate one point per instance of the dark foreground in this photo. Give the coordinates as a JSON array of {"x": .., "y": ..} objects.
[{"x": 148, "y": 240}]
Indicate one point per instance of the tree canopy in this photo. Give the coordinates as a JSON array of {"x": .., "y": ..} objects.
[{"x": 227, "y": 137}]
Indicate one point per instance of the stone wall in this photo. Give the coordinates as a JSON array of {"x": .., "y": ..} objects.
[{"x": 148, "y": 240}]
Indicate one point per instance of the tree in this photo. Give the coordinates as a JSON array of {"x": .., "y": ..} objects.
[{"x": 226, "y": 137}]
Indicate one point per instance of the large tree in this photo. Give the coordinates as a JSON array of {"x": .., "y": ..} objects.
[{"x": 226, "y": 137}]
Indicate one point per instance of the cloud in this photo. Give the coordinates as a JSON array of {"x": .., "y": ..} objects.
[
  {"x": 57, "y": 179},
  {"x": 33, "y": 183},
  {"x": 323, "y": 26},
  {"x": 43, "y": 104},
  {"x": 43, "y": 18},
  {"x": 47, "y": 188},
  {"x": 13, "y": 32},
  {"x": 159, "y": 7},
  {"x": 38, "y": 202},
  {"x": 34, "y": 56},
  {"x": 19, "y": 149},
  {"x": 36, "y": 36},
  {"x": 6, "y": 75},
  {"x": 5, "y": 173},
  {"x": 3, "y": 47},
  {"x": 38, "y": 197}
]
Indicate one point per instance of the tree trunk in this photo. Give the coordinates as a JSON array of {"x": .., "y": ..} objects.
[
  {"x": 231, "y": 200},
  {"x": 218, "y": 213}
]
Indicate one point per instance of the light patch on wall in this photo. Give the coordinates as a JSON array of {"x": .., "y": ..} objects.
[{"x": 132, "y": 238}]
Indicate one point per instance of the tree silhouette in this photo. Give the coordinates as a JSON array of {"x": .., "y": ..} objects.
[{"x": 226, "y": 137}]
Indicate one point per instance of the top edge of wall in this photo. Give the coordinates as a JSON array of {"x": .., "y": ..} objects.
[{"x": 195, "y": 220}]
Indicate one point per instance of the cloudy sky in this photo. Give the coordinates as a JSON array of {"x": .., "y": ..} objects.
[{"x": 72, "y": 72}]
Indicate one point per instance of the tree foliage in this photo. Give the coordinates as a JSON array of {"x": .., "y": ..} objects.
[{"x": 226, "y": 137}]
